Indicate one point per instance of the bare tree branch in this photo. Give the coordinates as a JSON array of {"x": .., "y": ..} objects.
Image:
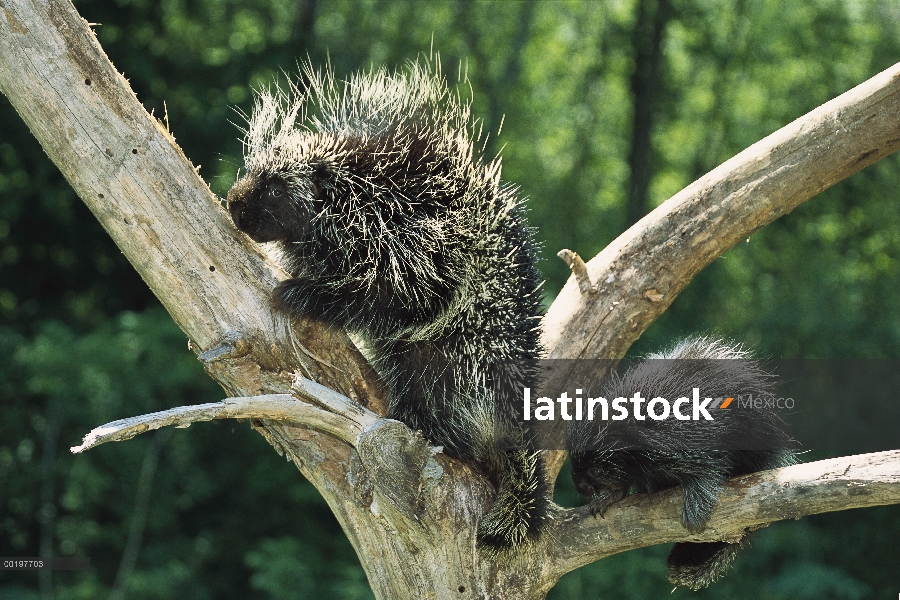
[
  {"x": 282, "y": 408},
  {"x": 579, "y": 270},
  {"x": 645, "y": 268},
  {"x": 641, "y": 272},
  {"x": 750, "y": 500},
  {"x": 576, "y": 538}
]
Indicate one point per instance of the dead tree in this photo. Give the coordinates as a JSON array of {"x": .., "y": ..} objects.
[{"x": 409, "y": 511}]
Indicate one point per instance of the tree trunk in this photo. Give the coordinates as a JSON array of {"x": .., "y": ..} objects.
[{"x": 410, "y": 511}]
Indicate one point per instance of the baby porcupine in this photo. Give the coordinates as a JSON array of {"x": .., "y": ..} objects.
[
  {"x": 612, "y": 458},
  {"x": 392, "y": 226}
]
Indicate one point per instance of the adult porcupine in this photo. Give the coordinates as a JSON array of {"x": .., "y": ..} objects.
[
  {"x": 611, "y": 458},
  {"x": 392, "y": 226}
]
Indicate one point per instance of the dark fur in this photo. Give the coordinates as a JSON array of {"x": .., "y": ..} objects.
[
  {"x": 391, "y": 226},
  {"x": 613, "y": 458}
]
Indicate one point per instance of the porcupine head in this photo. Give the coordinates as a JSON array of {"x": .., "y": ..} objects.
[
  {"x": 355, "y": 186},
  {"x": 390, "y": 226},
  {"x": 612, "y": 458}
]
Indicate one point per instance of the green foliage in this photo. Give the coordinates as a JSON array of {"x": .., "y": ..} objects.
[
  {"x": 83, "y": 341},
  {"x": 204, "y": 517},
  {"x": 284, "y": 569}
]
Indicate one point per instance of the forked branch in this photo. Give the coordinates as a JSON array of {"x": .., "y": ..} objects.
[
  {"x": 576, "y": 538},
  {"x": 341, "y": 418},
  {"x": 217, "y": 284}
]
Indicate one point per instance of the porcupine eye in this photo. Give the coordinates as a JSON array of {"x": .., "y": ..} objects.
[
  {"x": 595, "y": 473},
  {"x": 276, "y": 192}
]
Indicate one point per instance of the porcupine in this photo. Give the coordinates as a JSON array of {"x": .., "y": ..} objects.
[
  {"x": 612, "y": 458},
  {"x": 392, "y": 225}
]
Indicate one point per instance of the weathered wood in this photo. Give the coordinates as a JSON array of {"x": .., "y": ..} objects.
[
  {"x": 403, "y": 475},
  {"x": 127, "y": 168},
  {"x": 414, "y": 543},
  {"x": 642, "y": 272},
  {"x": 749, "y": 500},
  {"x": 216, "y": 284},
  {"x": 346, "y": 425},
  {"x": 638, "y": 276}
]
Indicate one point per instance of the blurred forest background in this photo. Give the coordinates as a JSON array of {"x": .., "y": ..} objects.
[{"x": 608, "y": 108}]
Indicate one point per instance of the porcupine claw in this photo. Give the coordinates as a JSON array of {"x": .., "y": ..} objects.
[
  {"x": 602, "y": 501},
  {"x": 597, "y": 508}
]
